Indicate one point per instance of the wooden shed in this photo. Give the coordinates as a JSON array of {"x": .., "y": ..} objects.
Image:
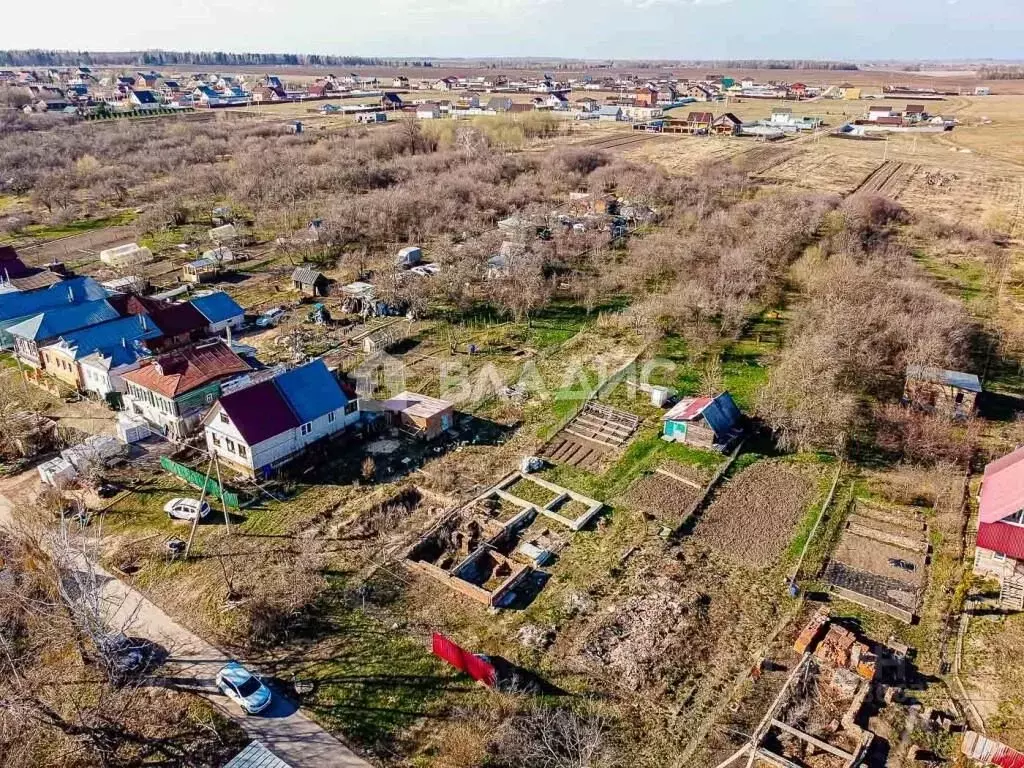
[
  {"x": 426, "y": 416},
  {"x": 950, "y": 393},
  {"x": 310, "y": 282},
  {"x": 707, "y": 422}
]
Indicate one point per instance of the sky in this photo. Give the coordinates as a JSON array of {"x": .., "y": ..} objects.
[{"x": 592, "y": 29}]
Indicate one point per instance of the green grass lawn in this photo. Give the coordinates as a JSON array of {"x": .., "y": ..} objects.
[
  {"x": 53, "y": 231},
  {"x": 643, "y": 454},
  {"x": 372, "y": 682}
]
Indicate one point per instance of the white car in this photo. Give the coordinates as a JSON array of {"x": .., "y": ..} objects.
[
  {"x": 185, "y": 509},
  {"x": 270, "y": 318},
  {"x": 243, "y": 687}
]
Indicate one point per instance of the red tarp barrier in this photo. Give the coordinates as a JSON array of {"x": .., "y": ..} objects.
[{"x": 463, "y": 660}]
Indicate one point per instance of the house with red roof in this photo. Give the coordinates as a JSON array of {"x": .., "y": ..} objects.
[
  {"x": 707, "y": 422},
  {"x": 1000, "y": 542},
  {"x": 259, "y": 427},
  {"x": 173, "y": 391}
]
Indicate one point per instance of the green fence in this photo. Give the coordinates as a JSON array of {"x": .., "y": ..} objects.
[{"x": 194, "y": 478}]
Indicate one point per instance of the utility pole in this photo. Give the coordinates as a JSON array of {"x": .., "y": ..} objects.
[{"x": 202, "y": 497}]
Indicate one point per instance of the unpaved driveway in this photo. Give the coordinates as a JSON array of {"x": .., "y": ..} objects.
[{"x": 192, "y": 663}]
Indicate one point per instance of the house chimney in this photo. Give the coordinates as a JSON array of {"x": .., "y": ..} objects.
[{"x": 71, "y": 295}]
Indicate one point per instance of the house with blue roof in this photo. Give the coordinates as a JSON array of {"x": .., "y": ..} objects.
[
  {"x": 93, "y": 359},
  {"x": 220, "y": 310},
  {"x": 47, "y": 326},
  {"x": 260, "y": 426},
  {"x": 18, "y": 306}
]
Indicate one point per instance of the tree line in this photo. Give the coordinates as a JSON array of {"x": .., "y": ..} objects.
[{"x": 43, "y": 58}]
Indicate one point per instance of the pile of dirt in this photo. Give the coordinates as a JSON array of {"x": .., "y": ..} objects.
[
  {"x": 660, "y": 496},
  {"x": 751, "y": 519},
  {"x": 647, "y": 635}
]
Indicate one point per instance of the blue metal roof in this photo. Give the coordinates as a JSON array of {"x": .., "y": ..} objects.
[
  {"x": 956, "y": 379},
  {"x": 61, "y": 320},
  {"x": 114, "y": 339},
  {"x": 721, "y": 413},
  {"x": 77, "y": 290},
  {"x": 217, "y": 307},
  {"x": 311, "y": 390}
]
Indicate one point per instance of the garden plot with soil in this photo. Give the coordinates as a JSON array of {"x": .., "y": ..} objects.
[
  {"x": 751, "y": 518},
  {"x": 662, "y": 496},
  {"x": 881, "y": 559}
]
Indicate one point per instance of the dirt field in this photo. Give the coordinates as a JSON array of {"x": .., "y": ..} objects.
[
  {"x": 661, "y": 496},
  {"x": 752, "y": 516}
]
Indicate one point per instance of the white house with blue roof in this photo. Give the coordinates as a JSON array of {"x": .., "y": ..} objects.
[
  {"x": 220, "y": 310},
  {"x": 92, "y": 359},
  {"x": 259, "y": 427}
]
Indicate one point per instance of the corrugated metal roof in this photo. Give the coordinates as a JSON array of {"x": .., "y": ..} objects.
[
  {"x": 306, "y": 275},
  {"x": 113, "y": 339},
  {"x": 720, "y": 412},
  {"x": 311, "y": 390},
  {"x": 77, "y": 290},
  {"x": 255, "y": 755},
  {"x": 1002, "y": 537},
  {"x": 687, "y": 408},
  {"x": 182, "y": 371},
  {"x": 217, "y": 307},
  {"x": 966, "y": 381},
  {"x": 61, "y": 320},
  {"x": 1002, "y": 488}
]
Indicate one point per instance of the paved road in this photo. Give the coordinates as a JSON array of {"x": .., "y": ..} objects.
[{"x": 192, "y": 663}]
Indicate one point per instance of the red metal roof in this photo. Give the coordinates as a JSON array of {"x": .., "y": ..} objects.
[
  {"x": 259, "y": 412},
  {"x": 688, "y": 409},
  {"x": 1003, "y": 538},
  {"x": 180, "y": 372},
  {"x": 178, "y": 319},
  {"x": 1002, "y": 488}
]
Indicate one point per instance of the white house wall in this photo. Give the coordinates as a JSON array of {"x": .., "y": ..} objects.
[{"x": 277, "y": 449}]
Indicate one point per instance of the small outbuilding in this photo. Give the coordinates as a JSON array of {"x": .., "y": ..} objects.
[
  {"x": 309, "y": 281},
  {"x": 127, "y": 255},
  {"x": 427, "y": 417},
  {"x": 950, "y": 393},
  {"x": 706, "y": 422}
]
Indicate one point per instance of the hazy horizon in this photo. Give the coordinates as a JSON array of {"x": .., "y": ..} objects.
[{"x": 680, "y": 30}]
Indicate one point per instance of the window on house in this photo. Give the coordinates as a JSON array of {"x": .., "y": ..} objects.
[
  {"x": 307, "y": 428},
  {"x": 231, "y": 444},
  {"x": 959, "y": 397},
  {"x": 224, "y": 418},
  {"x": 998, "y": 557},
  {"x": 330, "y": 417},
  {"x": 351, "y": 406},
  {"x": 241, "y": 450},
  {"x": 1017, "y": 518},
  {"x": 209, "y": 397},
  {"x": 216, "y": 439}
]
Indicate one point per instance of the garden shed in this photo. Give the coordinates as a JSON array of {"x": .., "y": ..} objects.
[
  {"x": 310, "y": 282},
  {"x": 950, "y": 393},
  {"x": 707, "y": 422}
]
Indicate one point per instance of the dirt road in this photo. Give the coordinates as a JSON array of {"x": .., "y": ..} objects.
[{"x": 192, "y": 663}]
